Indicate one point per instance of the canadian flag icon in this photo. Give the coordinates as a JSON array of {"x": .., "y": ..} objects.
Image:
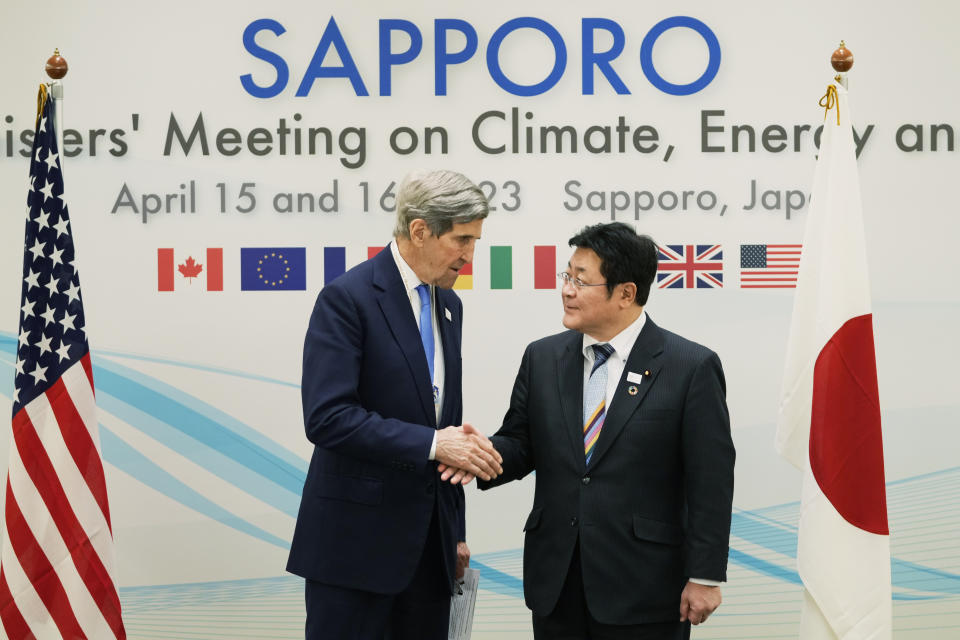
[{"x": 187, "y": 270}]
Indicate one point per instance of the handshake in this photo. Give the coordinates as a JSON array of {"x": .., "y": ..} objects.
[{"x": 465, "y": 453}]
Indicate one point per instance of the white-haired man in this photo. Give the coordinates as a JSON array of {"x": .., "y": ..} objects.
[{"x": 380, "y": 538}]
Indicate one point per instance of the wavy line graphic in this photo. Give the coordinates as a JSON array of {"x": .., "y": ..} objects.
[{"x": 261, "y": 468}]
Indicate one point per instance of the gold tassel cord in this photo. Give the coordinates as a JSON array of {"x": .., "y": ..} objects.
[
  {"x": 41, "y": 101},
  {"x": 829, "y": 101}
]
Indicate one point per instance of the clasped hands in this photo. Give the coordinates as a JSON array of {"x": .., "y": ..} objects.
[{"x": 465, "y": 453}]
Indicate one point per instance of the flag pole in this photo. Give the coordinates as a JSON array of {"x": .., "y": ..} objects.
[{"x": 57, "y": 68}]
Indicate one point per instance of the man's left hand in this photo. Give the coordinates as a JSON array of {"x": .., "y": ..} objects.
[
  {"x": 698, "y": 601},
  {"x": 454, "y": 475},
  {"x": 463, "y": 559}
]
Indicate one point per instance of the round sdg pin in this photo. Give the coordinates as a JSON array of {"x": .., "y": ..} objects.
[{"x": 632, "y": 389}]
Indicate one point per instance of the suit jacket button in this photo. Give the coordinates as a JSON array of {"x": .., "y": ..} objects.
[
  {"x": 573, "y": 521},
  {"x": 586, "y": 480}
]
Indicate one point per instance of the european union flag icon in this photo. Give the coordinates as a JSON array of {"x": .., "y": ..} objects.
[{"x": 273, "y": 269}]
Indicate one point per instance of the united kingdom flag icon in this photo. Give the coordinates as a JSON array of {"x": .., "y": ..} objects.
[{"x": 690, "y": 266}]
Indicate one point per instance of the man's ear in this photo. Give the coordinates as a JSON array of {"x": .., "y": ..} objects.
[
  {"x": 418, "y": 231},
  {"x": 628, "y": 295}
]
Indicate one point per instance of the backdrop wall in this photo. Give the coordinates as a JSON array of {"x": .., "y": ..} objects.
[{"x": 189, "y": 130}]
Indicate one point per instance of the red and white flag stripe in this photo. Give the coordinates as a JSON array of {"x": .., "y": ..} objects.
[
  {"x": 58, "y": 578},
  {"x": 829, "y": 423}
]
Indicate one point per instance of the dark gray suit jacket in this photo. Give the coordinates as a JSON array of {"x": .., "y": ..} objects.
[{"x": 653, "y": 507}]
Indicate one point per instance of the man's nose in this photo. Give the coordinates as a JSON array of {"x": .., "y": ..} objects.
[{"x": 467, "y": 254}]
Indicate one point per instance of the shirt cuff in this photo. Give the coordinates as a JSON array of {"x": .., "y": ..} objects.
[
  {"x": 433, "y": 449},
  {"x": 705, "y": 582}
]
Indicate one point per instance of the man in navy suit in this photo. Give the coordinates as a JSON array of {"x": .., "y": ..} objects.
[
  {"x": 380, "y": 538},
  {"x": 626, "y": 425}
]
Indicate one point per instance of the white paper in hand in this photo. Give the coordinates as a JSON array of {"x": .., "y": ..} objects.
[{"x": 462, "y": 606}]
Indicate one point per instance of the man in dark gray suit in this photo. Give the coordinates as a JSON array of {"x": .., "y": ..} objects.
[{"x": 626, "y": 425}]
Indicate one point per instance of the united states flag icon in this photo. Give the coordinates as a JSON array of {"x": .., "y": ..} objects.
[{"x": 769, "y": 266}]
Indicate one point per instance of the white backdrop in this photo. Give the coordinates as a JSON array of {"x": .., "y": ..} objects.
[{"x": 198, "y": 390}]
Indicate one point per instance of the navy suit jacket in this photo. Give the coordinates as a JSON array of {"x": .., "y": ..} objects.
[
  {"x": 653, "y": 506},
  {"x": 368, "y": 409}
]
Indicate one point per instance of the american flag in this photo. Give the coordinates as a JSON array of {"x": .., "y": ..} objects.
[
  {"x": 57, "y": 577},
  {"x": 688, "y": 266},
  {"x": 769, "y": 266}
]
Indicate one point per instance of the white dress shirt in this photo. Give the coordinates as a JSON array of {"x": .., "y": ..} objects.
[
  {"x": 622, "y": 344},
  {"x": 410, "y": 283}
]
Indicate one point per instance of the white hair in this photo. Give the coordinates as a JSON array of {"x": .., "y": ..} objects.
[{"x": 441, "y": 199}]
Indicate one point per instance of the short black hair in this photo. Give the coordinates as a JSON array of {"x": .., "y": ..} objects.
[{"x": 625, "y": 255}]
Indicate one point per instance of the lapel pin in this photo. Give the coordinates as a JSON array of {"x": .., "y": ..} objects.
[
  {"x": 632, "y": 389},
  {"x": 647, "y": 372},
  {"x": 446, "y": 313}
]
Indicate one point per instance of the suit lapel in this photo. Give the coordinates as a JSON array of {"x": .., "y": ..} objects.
[
  {"x": 449, "y": 327},
  {"x": 398, "y": 316},
  {"x": 570, "y": 379},
  {"x": 643, "y": 360}
]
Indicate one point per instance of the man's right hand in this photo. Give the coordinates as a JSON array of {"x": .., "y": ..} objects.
[{"x": 469, "y": 450}]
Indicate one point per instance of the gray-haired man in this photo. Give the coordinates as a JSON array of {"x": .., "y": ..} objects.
[{"x": 380, "y": 537}]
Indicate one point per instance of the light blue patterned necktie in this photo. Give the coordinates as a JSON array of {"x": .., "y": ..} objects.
[{"x": 595, "y": 398}]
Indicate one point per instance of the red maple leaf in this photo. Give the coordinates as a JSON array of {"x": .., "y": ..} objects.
[{"x": 190, "y": 268}]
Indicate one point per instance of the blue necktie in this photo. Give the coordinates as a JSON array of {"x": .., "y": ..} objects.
[{"x": 426, "y": 325}]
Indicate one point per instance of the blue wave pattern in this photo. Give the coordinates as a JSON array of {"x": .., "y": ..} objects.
[
  {"x": 762, "y": 598},
  {"x": 226, "y": 447}
]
